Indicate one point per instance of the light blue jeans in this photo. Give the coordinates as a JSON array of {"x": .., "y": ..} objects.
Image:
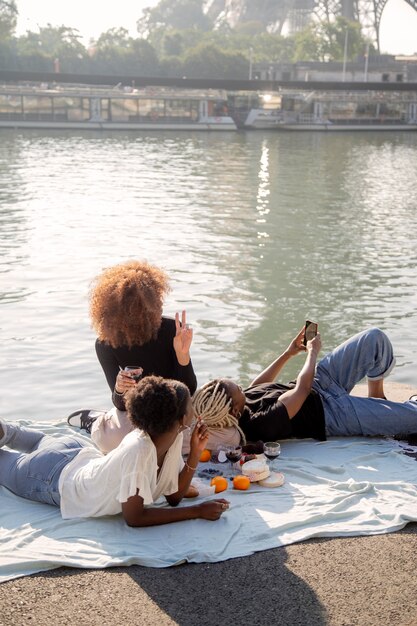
[
  {"x": 32, "y": 466},
  {"x": 367, "y": 354}
]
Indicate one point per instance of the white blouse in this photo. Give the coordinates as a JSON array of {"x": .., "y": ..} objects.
[{"x": 94, "y": 484}]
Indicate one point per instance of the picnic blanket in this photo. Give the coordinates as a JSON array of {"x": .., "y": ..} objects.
[{"x": 342, "y": 487}]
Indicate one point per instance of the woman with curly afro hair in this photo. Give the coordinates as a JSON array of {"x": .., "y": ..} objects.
[
  {"x": 71, "y": 473},
  {"x": 134, "y": 339}
]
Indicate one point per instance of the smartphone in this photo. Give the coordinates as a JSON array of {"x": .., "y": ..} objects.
[{"x": 310, "y": 331}]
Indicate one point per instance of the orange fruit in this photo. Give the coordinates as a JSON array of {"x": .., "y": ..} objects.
[
  {"x": 205, "y": 456},
  {"x": 220, "y": 483},
  {"x": 241, "y": 482}
]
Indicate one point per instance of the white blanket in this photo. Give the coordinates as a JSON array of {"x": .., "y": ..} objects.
[{"x": 341, "y": 487}]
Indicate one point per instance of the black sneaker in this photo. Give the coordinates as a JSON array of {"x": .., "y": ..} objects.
[{"x": 84, "y": 418}]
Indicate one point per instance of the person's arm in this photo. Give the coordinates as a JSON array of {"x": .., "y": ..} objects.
[
  {"x": 270, "y": 373},
  {"x": 136, "y": 514},
  {"x": 198, "y": 442},
  {"x": 181, "y": 344},
  {"x": 294, "y": 399},
  {"x": 111, "y": 370},
  {"x": 185, "y": 374}
]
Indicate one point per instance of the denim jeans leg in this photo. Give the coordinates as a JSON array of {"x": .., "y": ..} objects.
[
  {"x": 35, "y": 475},
  {"x": 19, "y": 437},
  {"x": 372, "y": 417},
  {"x": 368, "y": 353}
]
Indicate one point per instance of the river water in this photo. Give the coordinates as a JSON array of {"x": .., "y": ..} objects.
[{"x": 257, "y": 230}]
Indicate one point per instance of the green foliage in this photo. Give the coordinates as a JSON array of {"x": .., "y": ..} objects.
[
  {"x": 136, "y": 57},
  {"x": 51, "y": 43},
  {"x": 335, "y": 34},
  {"x": 207, "y": 61},
  {"x": 8, "y": 19},
  {"x": 115, "y": 52},
  {"x": 113, "y": 38},
  {"x": 165, "y": 41},
  {"x": 180, "y": 41},
  {"x": 174, "y": 14},
  {"x": 252, "y": 28},
  {"x": 171, "y": 66},
  {"x": 265, "y": 47},
  {"x": 325, "y": 41},
  {"x": 273, "y": 48},
  {"x": 307, "y": 45}
]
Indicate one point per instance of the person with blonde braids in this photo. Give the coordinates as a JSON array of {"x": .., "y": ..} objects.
[
  {"x": 318, "y": 404},
  {"x": 212, "y": 405}
]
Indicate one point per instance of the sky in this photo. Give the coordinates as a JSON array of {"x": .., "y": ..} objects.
[{"x": 398, "y": 32}]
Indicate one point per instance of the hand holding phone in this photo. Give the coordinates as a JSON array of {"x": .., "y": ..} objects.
[{"x": 310, "y": 331}]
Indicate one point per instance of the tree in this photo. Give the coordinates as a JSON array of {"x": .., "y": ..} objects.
[
  {"x": 113, "y": 38},
  {"x": 8, "y": 19},
  {"x": 273, "y": 48},
  {"x": 170, "y": 42},
  {"x": 333, "y": 36},
  {"x": 307, "y": 45},
  {"x": 325, "y": 41},
  {"x": 171, "y": 66},
  {"x": 115, "y": 52},
  {"x": 174, "y": 14},
  {"x": 53, "y": 42},
  {"x": 251, "y": 28},
  {"x": 208, "y": 61},
  {"x": 173, "y": 44}
]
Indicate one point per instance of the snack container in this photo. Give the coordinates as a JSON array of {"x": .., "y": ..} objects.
[{"x": 255, "y": 470}]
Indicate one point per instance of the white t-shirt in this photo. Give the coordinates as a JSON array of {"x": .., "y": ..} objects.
[{"x": 94, "y": 484}]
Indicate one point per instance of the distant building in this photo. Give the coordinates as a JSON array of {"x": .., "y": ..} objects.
[{"x": 384, "y": 68}]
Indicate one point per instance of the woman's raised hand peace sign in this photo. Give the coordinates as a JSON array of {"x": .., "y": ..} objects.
[{"x": 183, "y": 338}]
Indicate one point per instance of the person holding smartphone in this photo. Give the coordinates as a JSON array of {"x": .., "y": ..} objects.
[{"x": 318, "y": 404}]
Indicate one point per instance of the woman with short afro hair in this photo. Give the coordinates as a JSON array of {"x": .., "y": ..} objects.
[{"x": 126, "y": 303}]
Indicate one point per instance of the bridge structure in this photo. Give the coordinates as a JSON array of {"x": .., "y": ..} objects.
[{"x": 367, "y": 12}]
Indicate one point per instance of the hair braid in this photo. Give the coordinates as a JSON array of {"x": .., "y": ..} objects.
[{"x": 212, "y": 404}]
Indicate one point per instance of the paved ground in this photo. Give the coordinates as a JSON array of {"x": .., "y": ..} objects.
[{"x": 361, "y": 581}]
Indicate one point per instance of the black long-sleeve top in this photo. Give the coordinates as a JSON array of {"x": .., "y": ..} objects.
[{"x": 155, "y": 357}]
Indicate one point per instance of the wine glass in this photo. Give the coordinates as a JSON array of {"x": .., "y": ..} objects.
[
  {"x": 272, "y": 450},
  {"x": 136, "y": 370},
  {"x": 233, "y": 454}
]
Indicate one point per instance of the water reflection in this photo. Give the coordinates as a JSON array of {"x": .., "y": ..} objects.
[
  {"x": 258, "y": 230},
  {"x": 13, "y": 218}
]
